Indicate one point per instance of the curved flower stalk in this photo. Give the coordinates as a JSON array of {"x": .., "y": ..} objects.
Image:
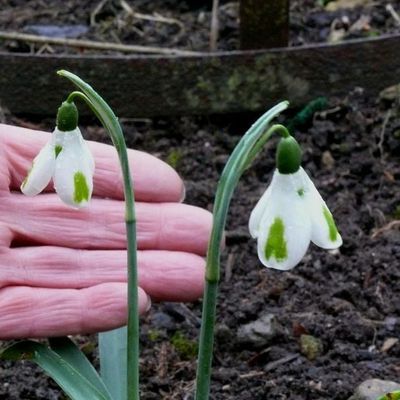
[{"x": 67, "y": 159}]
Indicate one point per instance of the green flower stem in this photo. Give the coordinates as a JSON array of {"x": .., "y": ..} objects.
[
  {"x": 245, "y": 152},
  {"x": 277, "y": 128},
  {"x": 110, "y": 122}
]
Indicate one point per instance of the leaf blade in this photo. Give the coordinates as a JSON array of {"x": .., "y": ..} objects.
[
  {"x": 68, "y": 351},
  {"x": 113, "y": 361},
  {"x": 68, "y": 378}
]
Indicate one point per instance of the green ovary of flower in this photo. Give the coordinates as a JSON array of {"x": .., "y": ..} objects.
[
  {"x": 81, "y": 189},
  {"x": 333, "y": 232},
  {"x": 276, "y": 244}
]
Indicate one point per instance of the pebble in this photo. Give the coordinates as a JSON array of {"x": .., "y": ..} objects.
[
  {"x": 223, "y": 334},
  {"x": 259, "y": 333},
  {"x": 372, "y": 389},
  {"x": 162, "y": 320},
  {"x": 390, "y": 93}
]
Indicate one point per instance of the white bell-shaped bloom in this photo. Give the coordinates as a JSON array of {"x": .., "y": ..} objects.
[
  {"x": 289, "y": 215},
  {"x": 67, "y": 159}
]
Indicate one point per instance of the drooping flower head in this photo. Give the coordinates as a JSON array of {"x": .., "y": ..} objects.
[
  {"x": 67, "y": 159},
  {"x": 291, "y": 213}
]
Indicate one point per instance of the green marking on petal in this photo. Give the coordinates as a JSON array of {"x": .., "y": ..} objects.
[
  {"x": 300, "y": 192},
  {"x": 276, "y": 244},
  {"x": 333, "y": 232},
  {"x": 58, "y": 149},
  {"x": 81, "y": 188}
]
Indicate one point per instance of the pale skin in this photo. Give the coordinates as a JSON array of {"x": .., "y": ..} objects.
[{"x": 63, "y": 271}]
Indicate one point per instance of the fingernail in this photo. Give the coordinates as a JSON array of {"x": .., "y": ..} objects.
[
  {"x": 183, "y": 193},
  {"x": 148, "y": 306}
]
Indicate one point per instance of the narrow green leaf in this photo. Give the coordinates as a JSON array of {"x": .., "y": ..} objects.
[
  {"x": 73, "y": 383},
  {"x": 112, "y": 352},
  {"x": 71, "y": 353}
]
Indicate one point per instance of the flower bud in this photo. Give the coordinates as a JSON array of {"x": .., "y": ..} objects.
[
  {"x": 67, "y": 117},
  {"x": 288, "y": 155}
]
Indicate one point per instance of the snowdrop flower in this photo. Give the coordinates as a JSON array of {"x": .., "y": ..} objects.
[
  {"x": 67, "y": 159},
  {"x": 291, "y": 213}
]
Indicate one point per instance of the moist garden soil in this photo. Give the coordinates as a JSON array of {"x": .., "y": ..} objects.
[{"x": 347, "y": 301}]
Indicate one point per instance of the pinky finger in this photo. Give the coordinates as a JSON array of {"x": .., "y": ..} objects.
[{"x": 39, "y": 312}]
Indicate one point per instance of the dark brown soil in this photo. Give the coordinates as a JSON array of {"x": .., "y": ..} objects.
[{"x": 347, "y": 299}]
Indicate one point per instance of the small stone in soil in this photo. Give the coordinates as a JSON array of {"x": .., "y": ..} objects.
[
  {"x": 259, "y": 333},
  {"x": 372, "y": 389}
]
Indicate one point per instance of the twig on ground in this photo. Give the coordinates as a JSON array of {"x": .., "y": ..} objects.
[
  {"x": 273, "y": 364},
  {"x": 155, "y": 17},
  {"x": 252, "y": 374},
  {"x": 214, "y": 30},
  {"x": 162, "y": 366},
  {"x": 393, "y": 13},
  {"x": 229, "y": 265},
  {"x": 391, "y": 225},
  {"x": 96, "y": 11},
  {"x": 45, "y": 48},
  {"x": 90, "y": 44},
  {"x": 126, "y": 6},
  {"x": 383, "y": 131}
]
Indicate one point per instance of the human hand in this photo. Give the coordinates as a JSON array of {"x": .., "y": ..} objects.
[{"x": 63, "y": 271}]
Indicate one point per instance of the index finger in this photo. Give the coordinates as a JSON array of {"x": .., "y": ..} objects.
[{"x": 154, "y": 180}]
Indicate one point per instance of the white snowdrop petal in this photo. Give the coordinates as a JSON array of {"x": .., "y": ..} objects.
[
  {"x": 88, "y": 154},
  {"x": 41, "y": 171},
  {"x": 285, "y": 228},
  {"x": 258, "y": 211},
  {"x": 324, "y": 232},
  {"x": 292, "y": 182},
  {"x": 73, "y": 178}
]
